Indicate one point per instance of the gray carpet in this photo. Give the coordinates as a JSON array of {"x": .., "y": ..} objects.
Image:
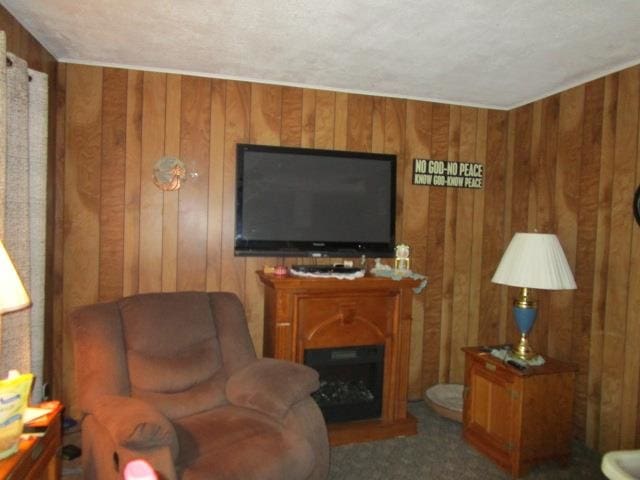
[{"x": 438, "y": 452}]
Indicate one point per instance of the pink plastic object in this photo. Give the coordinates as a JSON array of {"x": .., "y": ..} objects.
[
  {"x": 281, "y": 270},
  {"x": 139, "y": 470}
]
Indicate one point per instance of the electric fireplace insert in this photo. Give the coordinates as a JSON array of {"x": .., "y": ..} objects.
[{"x": 351, "y": 380}]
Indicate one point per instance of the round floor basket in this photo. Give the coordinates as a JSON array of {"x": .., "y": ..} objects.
[{"x": 446, "y": 400}]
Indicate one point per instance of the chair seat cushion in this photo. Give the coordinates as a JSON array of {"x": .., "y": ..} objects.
[{"x": 232, "y": 442}]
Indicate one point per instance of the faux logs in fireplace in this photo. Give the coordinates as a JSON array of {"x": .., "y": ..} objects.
[{"x": 351, "y": 380}]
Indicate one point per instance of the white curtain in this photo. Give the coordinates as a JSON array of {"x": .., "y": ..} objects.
[{"x": 23, "y": 180}]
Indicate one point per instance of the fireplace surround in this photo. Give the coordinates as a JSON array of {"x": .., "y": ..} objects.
[{"x": 308, "y": 314}]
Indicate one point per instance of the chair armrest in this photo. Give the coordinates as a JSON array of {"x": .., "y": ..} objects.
[
  {"x": 134, "y": 424},
  {"x": 271, "y": 386}
]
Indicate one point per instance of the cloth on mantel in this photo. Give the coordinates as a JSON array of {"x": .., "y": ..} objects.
[{"x": 381, "y": 270}]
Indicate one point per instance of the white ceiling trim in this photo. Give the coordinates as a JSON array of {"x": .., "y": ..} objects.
[
  {"x": 277, "y": 83},
  {"x": 577, "y": 83}
]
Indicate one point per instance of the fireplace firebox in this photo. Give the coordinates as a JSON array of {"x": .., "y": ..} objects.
[{"x": 351, "y": 380}]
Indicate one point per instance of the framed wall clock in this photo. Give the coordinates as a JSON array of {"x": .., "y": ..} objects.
[{"x": 636, "y": 205}]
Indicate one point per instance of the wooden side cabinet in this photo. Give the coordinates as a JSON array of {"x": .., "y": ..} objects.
[{"x": 517, "y": 418}]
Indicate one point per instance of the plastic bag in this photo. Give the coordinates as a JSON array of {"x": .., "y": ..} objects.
[{"x": 14, "y": 396}]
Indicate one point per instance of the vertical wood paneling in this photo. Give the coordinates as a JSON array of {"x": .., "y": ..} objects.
[
  {"x": 478, "y": 230},
  {"x": 340, "y": 123},
  {"x": 308, "y": 118},
  {"x": 518, "y": 203},
  {"x": 423, "y": 363},
  {"x": 566, "y": 208},
  {"x": 236, "y": 131},
  {"x": 599, "y": 302},
  {"x": 536, "y": 152},
  {"x": 377, "y": 124},
  {"x": 133, "y": 159},
  {"x": 539, "y": 334},
  {"x": 83, "y": 128},
  {"x": 493, "y": 243},
  {"x": 505, "y": 326},
  {"x": 216, "y": 185},
  {"x": 395, "y": 127},
  {"x": 565, "y": 164},
  {"x": 544, "y": 181},
  {"x": 613, "y": 358},
  {"x": 586, "y": 245},
  {"x": 55, "y": 332},
  {"x": 170, "y": 200},
  {"x": 464, "y": 222},
  {"x": 114, "y": 113},
  {"x": 359, "y": 123},
  {"x": 195, "y": 128},
  {"x": 630, "y": 415},
  {"x": 291, "y": 116},
  {"x": 151, "y": 198},
  {"x": 451, "y": 202},
  {"x": 546, "y": 174},
  {"x": 324, "y": 119},
  {"x": 521, "y": 169},
  {"x": 633, "y": 308},
  {"x": 434, "y": 264}
]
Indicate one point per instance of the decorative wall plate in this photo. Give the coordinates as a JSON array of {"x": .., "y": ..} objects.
[{"x": 168, "y": 173}]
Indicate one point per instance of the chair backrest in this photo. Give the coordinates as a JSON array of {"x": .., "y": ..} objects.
[{"x": 174, "y": 350}]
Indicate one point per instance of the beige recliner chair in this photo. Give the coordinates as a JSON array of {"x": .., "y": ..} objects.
[{"x": 173, "y": 378}]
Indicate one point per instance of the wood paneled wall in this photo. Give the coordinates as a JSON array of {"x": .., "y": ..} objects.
[
  {"x": 576, "y": 165},
  {"x": 566, "y": 164}
]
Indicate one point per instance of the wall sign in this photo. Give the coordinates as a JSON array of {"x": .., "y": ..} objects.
[{"x": 439, "y": 173}]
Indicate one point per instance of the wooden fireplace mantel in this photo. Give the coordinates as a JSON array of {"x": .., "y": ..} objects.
[{"x": 301, "y": 313}]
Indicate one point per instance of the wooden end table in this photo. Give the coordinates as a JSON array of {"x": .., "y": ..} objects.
[
  {"x": 518, "y": 418},
  {"x": 37, "y": 456}
]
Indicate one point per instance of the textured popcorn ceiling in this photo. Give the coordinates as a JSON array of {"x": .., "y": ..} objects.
[{"x": 493, "y": 53}]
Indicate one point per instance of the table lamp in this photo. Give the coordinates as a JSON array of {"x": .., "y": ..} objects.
[
  {"x": 13, "y": 296},
  {"x": 532, "y": 260}
]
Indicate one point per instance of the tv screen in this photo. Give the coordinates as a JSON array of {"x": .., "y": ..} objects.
[{"x": 309, "y": 202}]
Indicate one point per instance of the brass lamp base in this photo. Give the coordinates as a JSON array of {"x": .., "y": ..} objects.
[{"x": 524, "y": 350}]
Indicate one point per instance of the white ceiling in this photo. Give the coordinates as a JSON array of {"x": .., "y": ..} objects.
[{"x": 491, "y": 53}]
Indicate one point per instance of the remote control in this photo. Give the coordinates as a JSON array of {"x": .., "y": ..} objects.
[{"x": 516, "y": 365}]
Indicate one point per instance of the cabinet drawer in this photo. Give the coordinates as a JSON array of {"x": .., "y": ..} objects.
[{"x": 345, "y": 320}]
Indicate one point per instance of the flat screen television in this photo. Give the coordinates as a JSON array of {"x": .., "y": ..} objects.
[{"x": 317, "y": 203}]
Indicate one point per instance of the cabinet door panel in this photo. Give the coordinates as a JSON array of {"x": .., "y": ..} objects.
[{"x": 491, "y": 407}]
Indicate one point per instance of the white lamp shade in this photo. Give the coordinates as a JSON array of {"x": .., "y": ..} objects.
[
  {"x": 13, "y": 296},
  {"x": 535, "y": 260}
]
